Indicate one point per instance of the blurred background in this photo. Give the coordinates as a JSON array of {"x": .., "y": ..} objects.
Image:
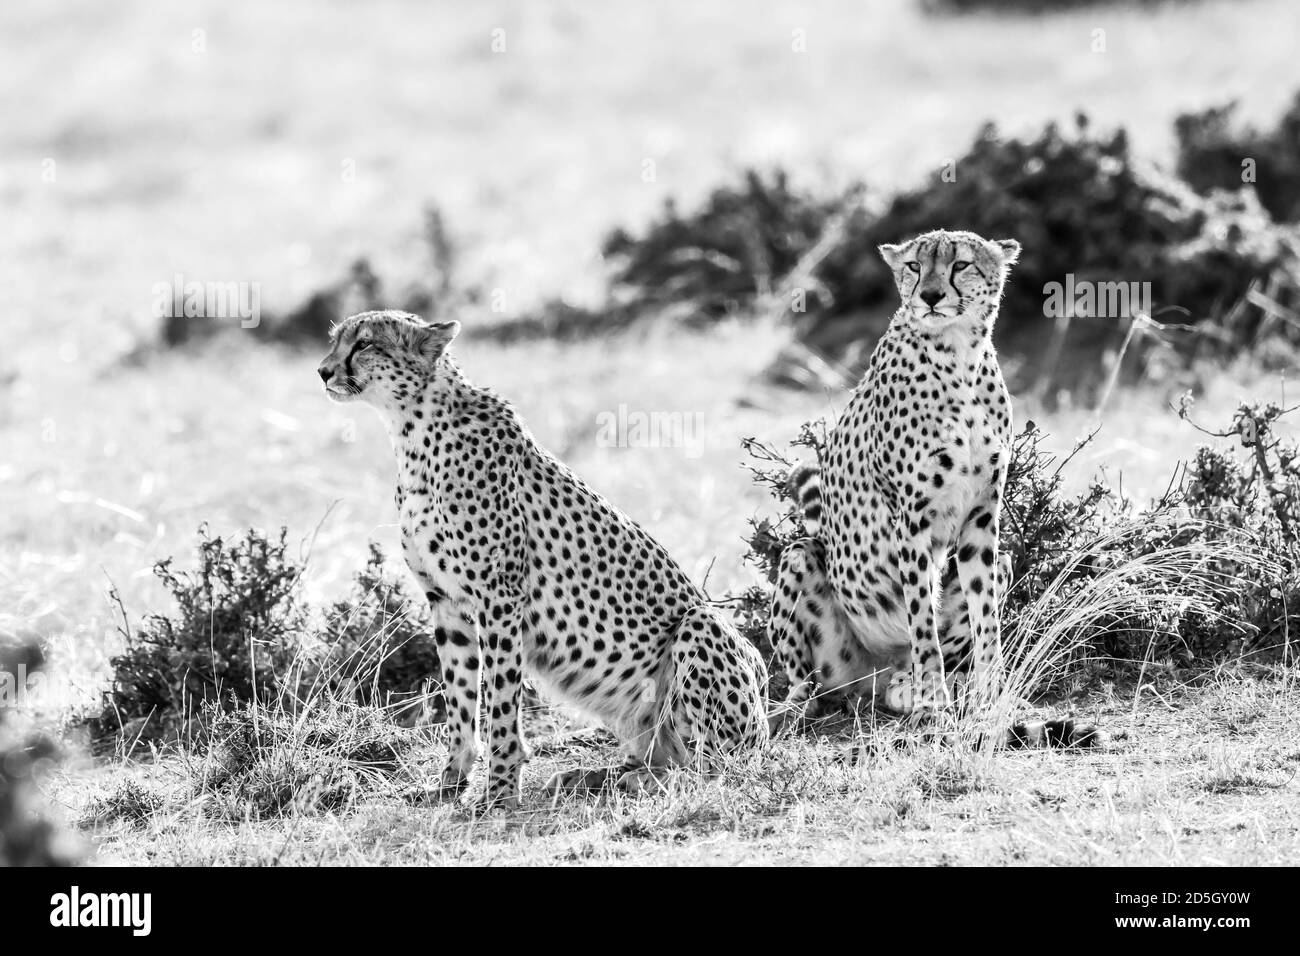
[{"x": 634, "y": 209}]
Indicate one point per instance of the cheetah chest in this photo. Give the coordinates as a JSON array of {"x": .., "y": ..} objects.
[
  {"x": 432, "y": 545},
  {"x": 964, "y": 468}
]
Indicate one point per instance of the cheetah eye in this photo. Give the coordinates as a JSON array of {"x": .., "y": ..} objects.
[
  {"x": 959, "y": 265},
  {"x": 914, "y": 266}
]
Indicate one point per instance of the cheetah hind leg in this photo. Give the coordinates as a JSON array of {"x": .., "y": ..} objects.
[
  {"x": 812, "y": 642},
  {"x": 717, "y": 699},
  {"x": 790, "y": 629},
  {"x": 714, "y": 705}
]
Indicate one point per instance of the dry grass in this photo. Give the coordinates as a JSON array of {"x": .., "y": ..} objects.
[{"x": 1206, "y": 776}]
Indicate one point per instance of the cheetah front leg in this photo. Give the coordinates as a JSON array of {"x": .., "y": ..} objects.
[
  {"x": 502, "y": 632},
  {"x": 455, "y": 633},
  {"x": 927, "y": 690},
  {"x": 977, "y": 567},
  {"x": 456, "y": 636}
]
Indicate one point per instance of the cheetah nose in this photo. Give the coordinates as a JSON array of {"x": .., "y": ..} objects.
[
  {"x": 931, "y": 297},
  {"x": 325, "y": 374}
]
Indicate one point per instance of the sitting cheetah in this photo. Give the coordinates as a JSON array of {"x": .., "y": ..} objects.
[
  {"x": 529, "y": 571},
  {"x": 894, "y": 597}
]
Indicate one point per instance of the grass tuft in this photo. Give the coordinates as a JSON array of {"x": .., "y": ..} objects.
[
  {"x": 266, "y": 763},
  {"x": 130, "y": 802}
]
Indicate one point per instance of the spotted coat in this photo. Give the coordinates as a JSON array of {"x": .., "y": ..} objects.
[
  {"x": 531, "y": 572},
  {"x": 895, "y": 594}
]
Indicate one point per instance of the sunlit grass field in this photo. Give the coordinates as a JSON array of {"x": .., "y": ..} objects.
[{"x": 275, "y": 145}]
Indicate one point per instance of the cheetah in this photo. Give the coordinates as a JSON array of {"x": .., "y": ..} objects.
[
  {"x": 528, "y": 571},
  {"x": 894, "y": 596}
]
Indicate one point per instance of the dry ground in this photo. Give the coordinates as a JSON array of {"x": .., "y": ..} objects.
[
  {"x": 226, "y": 165},
  {"x": 1199, "y": 776}
]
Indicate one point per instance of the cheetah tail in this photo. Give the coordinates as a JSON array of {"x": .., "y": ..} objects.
[
  {"x": 805, "y": 486},
  {"x": 1059, "y": 733}
]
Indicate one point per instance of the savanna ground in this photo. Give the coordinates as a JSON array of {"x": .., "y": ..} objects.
[{"x": 226, "y": 164}]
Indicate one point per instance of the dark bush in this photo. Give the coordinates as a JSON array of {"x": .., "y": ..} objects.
[
  {"x": 237, "y": 631},
  {"x": 241, "y": 634},
  {"x": 1079, "y": 203},
  {"x": 1254, "y": 495},
  {"x": 1025, "y": 7},
  {"x": 428, "y": 293},
  {"x": 381, "y": 646},
  {"x": 1019, "y": 7},
  {"x": 1043, "y": 529},
  {"x": 1212, "y": 146},
  {"x": 738, "y": 245}
]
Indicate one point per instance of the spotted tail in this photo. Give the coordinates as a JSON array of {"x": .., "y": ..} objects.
[
  {"x": 804, "y": 486},
  {"x": 1057, "y": 733}
]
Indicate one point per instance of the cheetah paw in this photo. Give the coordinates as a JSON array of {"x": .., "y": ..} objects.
[
  {"x": 580, "y": 780},
  {"x": 636, "y": 783},
  {"x": 439, "y": 794},
  {"x": 490, "y": 803}
]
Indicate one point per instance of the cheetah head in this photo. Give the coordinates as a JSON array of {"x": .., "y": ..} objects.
[
  {"x": 946, "y": 278},
  {"x": 384, "y": 358}
]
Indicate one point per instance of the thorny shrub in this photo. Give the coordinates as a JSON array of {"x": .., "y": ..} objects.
[
  {"x": 1221, "y": 504},
  {"x": 242, "y": 634}
]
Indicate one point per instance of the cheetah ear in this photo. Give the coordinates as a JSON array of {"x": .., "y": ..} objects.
[
  {"x": 893, "y": 255},
  {"x": 432, "y": 340},
  {"x": 1010, "y": 250}
]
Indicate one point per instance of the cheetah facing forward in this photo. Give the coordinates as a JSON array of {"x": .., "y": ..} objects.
[
  {"x": 530, "y": 571},
  {"x": 894, "y": 597}
]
